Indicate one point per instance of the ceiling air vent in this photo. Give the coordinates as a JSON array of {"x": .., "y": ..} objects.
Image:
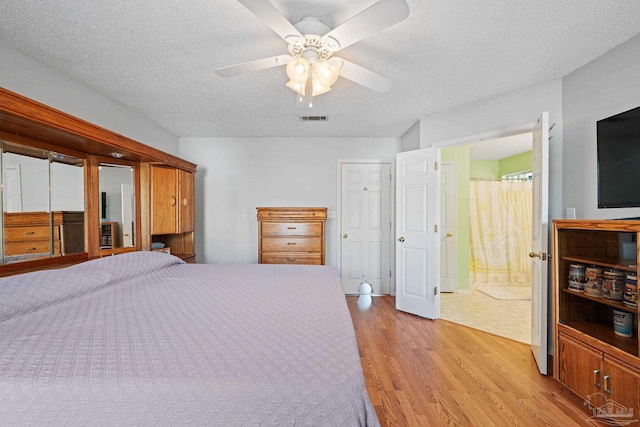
[{"x": 314, "y": 118}]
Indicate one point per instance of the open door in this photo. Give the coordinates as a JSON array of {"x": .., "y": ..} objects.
[
  {"x": 539, "y": 251},
  {"x": 417, "y": 239},
  {"x": 127, "y": 215}
]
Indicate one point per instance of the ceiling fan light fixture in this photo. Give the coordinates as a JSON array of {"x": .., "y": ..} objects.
[
  {"x": 326, "y": 73},
  {"x": 298, "y": 70},
  {"x": 317, "y": 88}
]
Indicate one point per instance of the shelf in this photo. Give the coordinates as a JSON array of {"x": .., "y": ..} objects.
[
  {"x": 604, "y": 332},
  {"x": 609, "y": 262},
  {"x": 618, "y": 305}
]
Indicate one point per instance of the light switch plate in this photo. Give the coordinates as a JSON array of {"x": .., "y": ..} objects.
[{"x": 571, "y": 213}]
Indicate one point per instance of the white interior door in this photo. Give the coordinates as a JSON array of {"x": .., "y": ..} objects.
[
  {"x": 539, "y": 250},
  {"x": 12, "y": 189},
  {"x": 417, "y": 268},
  {"x": 366, "y": 226},
  {"x": 448, "y": 227},
  {"x": 127, "y": 215}
]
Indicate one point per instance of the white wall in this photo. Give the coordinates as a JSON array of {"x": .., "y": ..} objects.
[
  {"x": 514, "y": 109},
  {"x": 67, "y": 187},
  {"x": 606, "y": 86},
  {"x": 66, "y": 183},
  {"x": 411, "y": 139},
  {"x": 28, "y": 77},
  {"x": 236, "y": 175},
  {"x": 34, "y": 177},
  {"x": 111, "y": 180}
]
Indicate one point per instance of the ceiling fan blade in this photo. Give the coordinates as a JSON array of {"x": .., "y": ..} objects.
[
  {"x": 271, "y": 16},
  {"x": 362, "y": 76},
  {"x": 251, "y": 66},
  {"x": 379, "y": 16}
]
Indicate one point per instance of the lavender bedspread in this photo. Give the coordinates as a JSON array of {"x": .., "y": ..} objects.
[{"x": 144, "y": 339}]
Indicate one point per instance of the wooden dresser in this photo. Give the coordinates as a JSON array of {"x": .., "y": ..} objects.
[
  {"x": 29, "y": 233},
  {"x": 291, "y": 235}
]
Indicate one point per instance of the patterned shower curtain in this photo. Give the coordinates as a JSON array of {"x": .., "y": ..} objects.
[{"x": 500, "y": 232}]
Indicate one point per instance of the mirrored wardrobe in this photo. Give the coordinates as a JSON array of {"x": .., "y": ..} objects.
[{"x": 43, "y": 203}]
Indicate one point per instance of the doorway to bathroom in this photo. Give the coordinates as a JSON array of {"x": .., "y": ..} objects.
[{"x": 493, "y": 229}]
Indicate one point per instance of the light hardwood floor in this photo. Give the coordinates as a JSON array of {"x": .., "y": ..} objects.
[{"x": 421, "y": 372}]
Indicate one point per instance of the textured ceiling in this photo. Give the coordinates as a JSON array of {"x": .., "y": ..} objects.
[{"x": 157, "y": 57}]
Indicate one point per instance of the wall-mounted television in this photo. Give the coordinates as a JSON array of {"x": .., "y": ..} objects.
[{"x": 619, "y": 160}]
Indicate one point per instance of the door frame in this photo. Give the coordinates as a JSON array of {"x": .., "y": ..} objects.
[
  {"x": 454, "y": 277},
  {"x": 392, "y": 203}
]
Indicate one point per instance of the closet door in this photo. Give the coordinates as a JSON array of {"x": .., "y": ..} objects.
[
  {"x": 186, "y": 202},
  {"x": 164, "y": 200}
]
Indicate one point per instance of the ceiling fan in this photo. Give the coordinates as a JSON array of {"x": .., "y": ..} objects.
[{"x": 310, "y": 64}]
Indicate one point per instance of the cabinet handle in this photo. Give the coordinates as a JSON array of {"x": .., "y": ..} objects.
[
  {"x": 596, "y": 377},
  {"x": 30, "y": 232},
  {"x": 31, "y": 249},
  {"x": 185, "y": 201},
  {"x": 291, "y": 228},
  {"x": 173, "y": 201},
  {"x": 290, "y": 243},
  {"x": 607, "y": 388},
  {"x": 291, "y": 259}
]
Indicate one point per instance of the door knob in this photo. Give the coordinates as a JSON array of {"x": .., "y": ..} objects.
[
  {"x": 449, "y": 234},
  {"x": 401, "y": 239},
  {"x": 345, "y": 235}
]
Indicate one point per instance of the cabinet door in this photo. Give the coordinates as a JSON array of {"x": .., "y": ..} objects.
[
  {"x": 164, "y": 200},
  {"x": 623, "y": 384},
  {"x": 577, "y": 365},
  {"x": 187, "y": 207}
]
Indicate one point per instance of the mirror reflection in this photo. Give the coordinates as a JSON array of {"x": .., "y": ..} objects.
[
  {"x": 43, "y": 203},
  {"x": 117, "y": 208}
]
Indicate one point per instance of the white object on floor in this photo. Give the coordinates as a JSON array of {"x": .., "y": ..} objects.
[{"x": 506, "y": 293}]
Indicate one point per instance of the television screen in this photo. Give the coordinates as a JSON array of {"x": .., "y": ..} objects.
[{"x": 619, "y": 160}]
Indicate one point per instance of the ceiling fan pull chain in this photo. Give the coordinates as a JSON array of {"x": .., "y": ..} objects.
[{"x": 308, "y": 88}]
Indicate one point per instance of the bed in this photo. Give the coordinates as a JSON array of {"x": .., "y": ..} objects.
[{"x": 145, "y": 339}]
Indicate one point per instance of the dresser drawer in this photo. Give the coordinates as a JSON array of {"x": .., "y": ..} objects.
[
  {"x": 26, "y": 247},
  {"x": 292, "y": 258},
  {"x": 291, "y": 244},
  {"x": 13, "y": 234},
  {"x": 291, "y": 229}
]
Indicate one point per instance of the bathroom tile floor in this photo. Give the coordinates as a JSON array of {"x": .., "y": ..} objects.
[{"x": 509, "y": 319}]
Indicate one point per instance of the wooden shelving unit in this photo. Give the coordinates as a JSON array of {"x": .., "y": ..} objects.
[{"x": 590, "y": 357}]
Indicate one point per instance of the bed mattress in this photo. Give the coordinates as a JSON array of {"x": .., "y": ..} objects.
[{"x": 145, "y": 339}]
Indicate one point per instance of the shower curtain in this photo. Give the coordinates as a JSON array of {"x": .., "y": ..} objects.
[{"x": 500, "y": 232}]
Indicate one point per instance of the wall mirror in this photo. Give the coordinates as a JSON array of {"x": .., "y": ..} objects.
[
  {"x": 42, "y": 202},
  {"x": 117, "y": 206}
]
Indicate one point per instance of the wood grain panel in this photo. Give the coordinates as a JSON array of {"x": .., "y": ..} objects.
[
  {"x": 28, "y": 233},
  {"x": 292, "y": 258},
  {"x": 187, "y": 210},
  {"x": 32, "y": 120},
  {"x": 164, "y": 200},
  {"x": 290, "y": 235},
  {"x": 292, "y": 244},
  {"x": 421, "y": 372},
  {"x": 291, "y": 229}
]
